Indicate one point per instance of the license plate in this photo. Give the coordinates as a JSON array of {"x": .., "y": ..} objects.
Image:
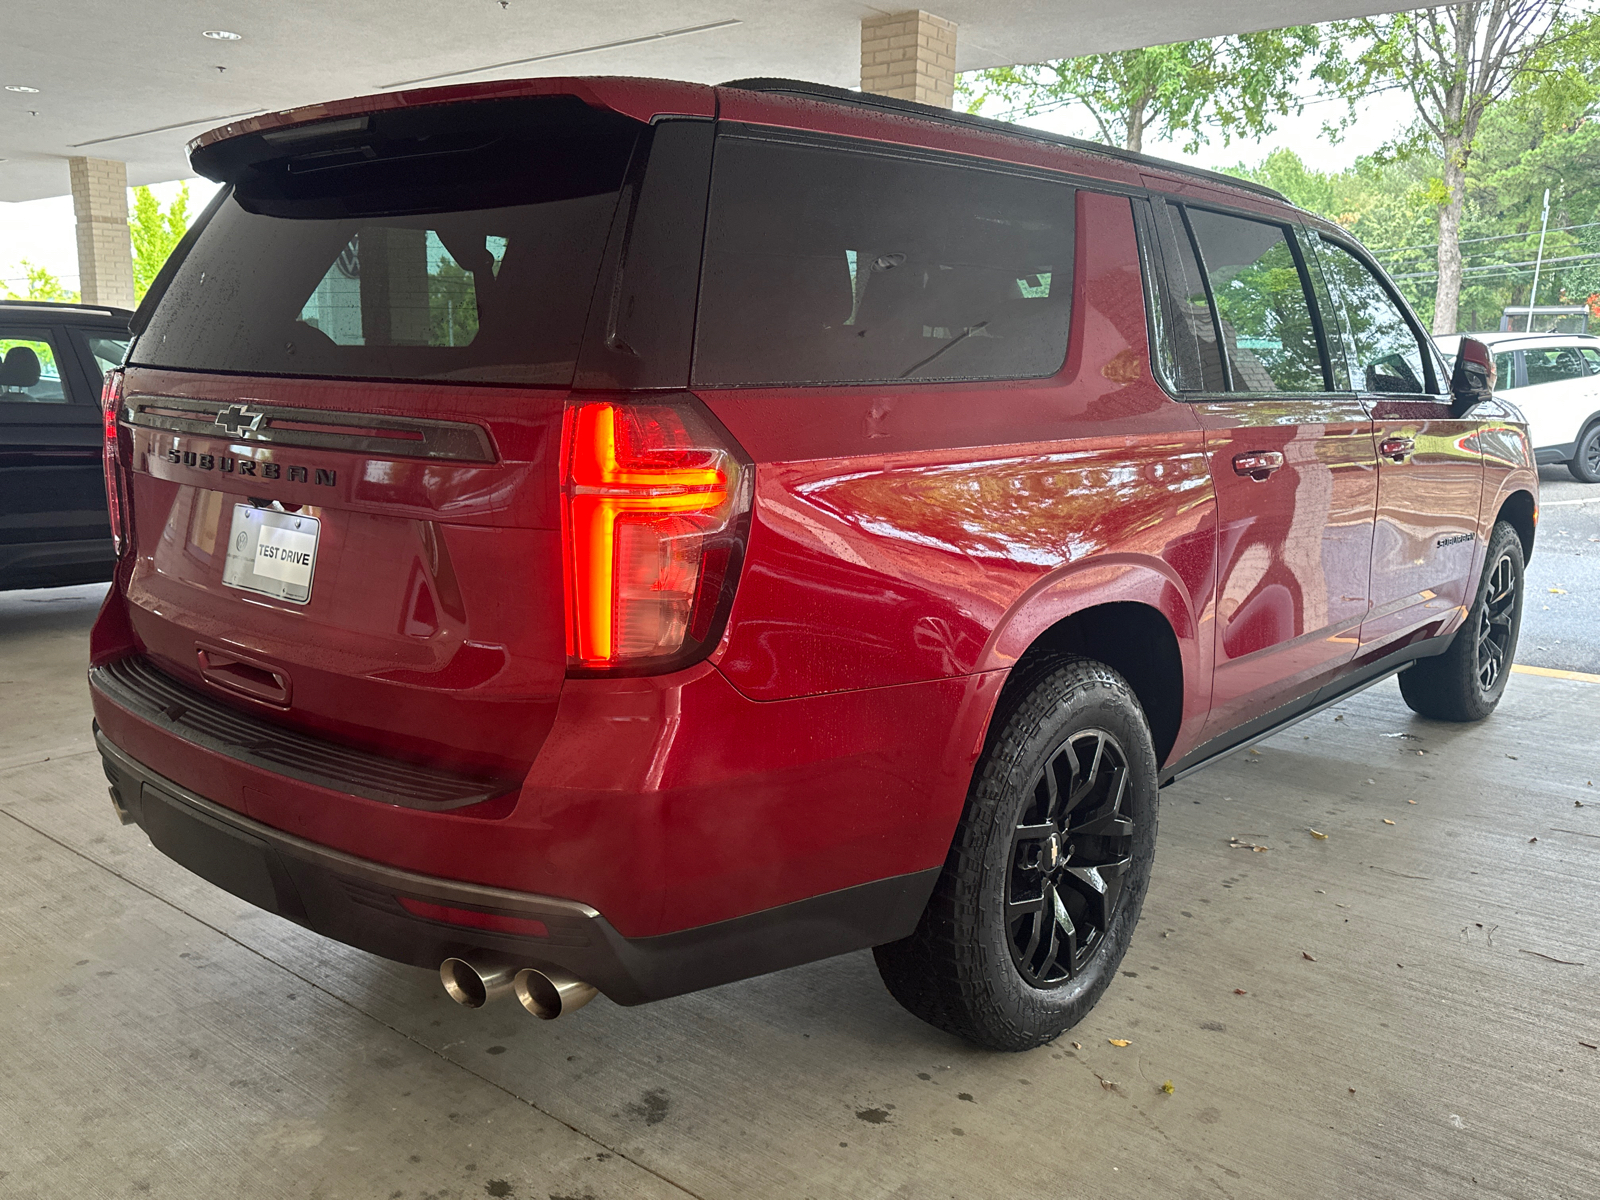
[{"x": 273, "y": 553}]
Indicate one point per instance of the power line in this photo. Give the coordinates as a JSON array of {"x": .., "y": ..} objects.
[
  {"x": 1499, "y": 237},
  {"x": 1501, "y": 268}
]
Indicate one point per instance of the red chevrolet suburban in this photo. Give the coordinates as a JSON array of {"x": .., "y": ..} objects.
[{"x": 627, "y": 535}]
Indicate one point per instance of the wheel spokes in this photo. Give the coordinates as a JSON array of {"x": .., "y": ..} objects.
[{"x": 1065, "y": 879}]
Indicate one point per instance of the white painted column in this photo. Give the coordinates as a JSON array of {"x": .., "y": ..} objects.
[
  {"x": 910, "y": 56},
  {"x": 105, "y": 250}
]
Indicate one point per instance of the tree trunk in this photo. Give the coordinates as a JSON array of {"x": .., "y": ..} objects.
[
  {"x": 1447, "y": 302},
  {"x": 1135, "y": 138}
]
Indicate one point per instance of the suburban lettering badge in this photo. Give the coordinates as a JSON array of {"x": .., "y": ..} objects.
[{"x": 229, "y": 465}]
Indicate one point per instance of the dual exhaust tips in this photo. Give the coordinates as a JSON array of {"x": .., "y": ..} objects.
[{"x": 547, "y": 992}]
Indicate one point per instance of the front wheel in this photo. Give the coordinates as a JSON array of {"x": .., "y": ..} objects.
[
  {"x": 1585, "y": 464},
  {"x": 1465, "y": 683},
  {"x": 1048, "y": 870}
]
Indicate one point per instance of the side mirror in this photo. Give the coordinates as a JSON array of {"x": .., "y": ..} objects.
[{"x": 1473, "y": 380}]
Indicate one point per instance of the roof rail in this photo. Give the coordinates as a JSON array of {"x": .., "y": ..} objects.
[
  {"x": 67, "y": 304},
  {"x": 837, "y": 95}
]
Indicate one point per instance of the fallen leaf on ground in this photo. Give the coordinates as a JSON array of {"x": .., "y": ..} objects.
[
  {"x": 1236, "y": 844},
  {"x": 1306, "y": 956},
  {"x": 1352, "y": 1091},
  {"x": 1410, "y": 801},
  {"x": 1077, "y": 1045},
  {"x": 1105, "y": 1083},
  {"x": 1531, "y": 841},
  {"x": 1240, "y": 992},
  {"x": 1119, "y": 1042},
  {"x": 1386, "y": 821},
  {"x": 1512, "y": 757},
  {"x": 1340, "y": 717},
  {"x": 1558, "y": 591},
  {"x": 1167, "y": 1087},
  {"x": 1318, "y": 834},
  {"x": 1254, "y": 751}
]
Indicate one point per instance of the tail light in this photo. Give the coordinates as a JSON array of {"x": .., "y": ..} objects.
[
  {"x": 111, "y": 457},
  {"x": 653, "y": 506}
]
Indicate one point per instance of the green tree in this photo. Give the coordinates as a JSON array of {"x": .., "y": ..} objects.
[
  {"x": 41, "y": 286},
  {"x": 1235, "y": 85},
  {"x": 1455, "y": 63},
  {"x": 155, "y": 234}
]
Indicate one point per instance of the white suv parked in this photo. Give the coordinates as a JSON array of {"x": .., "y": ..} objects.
[{"x": 1554, "y": 378}]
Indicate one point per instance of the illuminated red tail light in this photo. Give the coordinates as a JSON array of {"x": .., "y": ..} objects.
[
  {"x": 653, "y": 501},
  {"x": 111, "y": 457}
]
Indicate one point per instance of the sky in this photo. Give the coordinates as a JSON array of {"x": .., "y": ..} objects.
[{"x": 43, "y": 231}]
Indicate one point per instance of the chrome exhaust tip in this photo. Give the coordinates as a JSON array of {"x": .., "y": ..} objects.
[
  {"x": 476, "y": 979},
  {"x": 549, "y": 993}
]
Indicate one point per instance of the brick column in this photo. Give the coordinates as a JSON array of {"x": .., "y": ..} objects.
[
  {"x": 910, "y": 56},
  {"x": 105, "y": 251}
]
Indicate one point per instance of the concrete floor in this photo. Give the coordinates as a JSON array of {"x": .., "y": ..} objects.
[
  {"x": 1559, "y": 626},
  {"x": 1378, "y": 1014}
]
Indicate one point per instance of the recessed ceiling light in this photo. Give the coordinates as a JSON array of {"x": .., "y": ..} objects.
[
  {"x": 21, "y": 87},
  {"x": 221, "y": 35}
]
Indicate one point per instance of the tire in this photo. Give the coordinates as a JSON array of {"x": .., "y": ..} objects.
[
  {"x": 1585, "y": 464},
  {"x": 1071, "y": 755},
  {"x": 1467, "y": 680}
]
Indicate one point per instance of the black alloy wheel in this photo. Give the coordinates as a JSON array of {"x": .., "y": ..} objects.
[
  {"x": 1496, "y": 638},
  {"x": 1465, "y": 683},
  {"x": 1048, "y": 867},
  {"x": 1585, "y": 464},
  {"x": 1070, "y": 854}
]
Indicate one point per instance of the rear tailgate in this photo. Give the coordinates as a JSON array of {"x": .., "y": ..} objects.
[
  {"x": 430, "y": 623},
  {"x": 345, "y": 414}
]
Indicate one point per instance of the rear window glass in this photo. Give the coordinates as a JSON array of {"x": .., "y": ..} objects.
[
  {"x": 460, "y": 243},
  {"x": 826, "y": 265}
]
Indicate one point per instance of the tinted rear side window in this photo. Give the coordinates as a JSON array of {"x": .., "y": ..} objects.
[
  {"x": 827, "y": 265},
  {"x": 1261, "y": 303},
  {"x": 1188, "y": 345},
  {"x": 456, "y": 243},
  {"x": 1553, "y": 366}
]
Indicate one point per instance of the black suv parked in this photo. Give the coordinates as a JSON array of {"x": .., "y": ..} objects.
[{"x": 53, "y": 524}]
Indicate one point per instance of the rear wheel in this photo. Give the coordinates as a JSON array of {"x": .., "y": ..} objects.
[
  {"x": 1465, "y": 683},
  {"x": 1585, "y": 464},
  {"x": 1047, "y": 872}
]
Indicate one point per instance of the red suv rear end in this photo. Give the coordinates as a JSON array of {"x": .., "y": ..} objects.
[{"x": 619, "y": 535}]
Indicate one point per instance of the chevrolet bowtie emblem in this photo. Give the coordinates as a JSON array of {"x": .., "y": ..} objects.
[{"x": 236, "y": 418}]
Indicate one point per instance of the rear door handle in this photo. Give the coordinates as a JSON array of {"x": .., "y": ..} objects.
[
  {"x": 1397, "y": 449},
  {"x": 1258, "y": 464}
]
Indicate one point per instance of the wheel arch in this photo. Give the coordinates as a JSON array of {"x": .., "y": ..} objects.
[
  {"x": 1134, "y": 617},
  {"x": 1521, "y": 512}
]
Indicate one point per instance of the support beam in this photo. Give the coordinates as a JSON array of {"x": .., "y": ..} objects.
[
  {"x": 105, "y": 250},
  {"x": 910, "y": 56}
]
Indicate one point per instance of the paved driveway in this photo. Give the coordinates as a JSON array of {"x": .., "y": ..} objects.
[
  {"x": 1561, "y": 620},
  {"x": 1403, "y": 1009}
]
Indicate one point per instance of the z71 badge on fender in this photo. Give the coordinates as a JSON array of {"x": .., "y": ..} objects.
[{"x": 229, "y": 465}]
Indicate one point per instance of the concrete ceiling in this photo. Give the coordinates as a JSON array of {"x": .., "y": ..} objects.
[{"x": 136, "y": 81}]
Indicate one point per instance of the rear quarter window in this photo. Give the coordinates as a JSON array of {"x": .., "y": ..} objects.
[{"x": 832, "y": 265}]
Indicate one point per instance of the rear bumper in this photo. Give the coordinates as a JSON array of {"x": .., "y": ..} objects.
[{"x": 364, "y": 903}]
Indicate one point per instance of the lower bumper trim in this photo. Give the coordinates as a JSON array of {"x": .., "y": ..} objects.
[{"x": 363, "y": 904}]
